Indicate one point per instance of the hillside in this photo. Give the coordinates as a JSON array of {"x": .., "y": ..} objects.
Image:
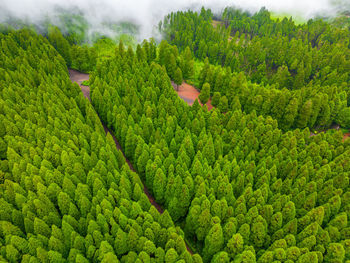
[{"x": 226, "y": 141}]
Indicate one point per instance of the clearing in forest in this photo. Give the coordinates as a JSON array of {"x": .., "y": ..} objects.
[
  {"x": 189, "y": 94},
  {"x": 79, "y": 77}
]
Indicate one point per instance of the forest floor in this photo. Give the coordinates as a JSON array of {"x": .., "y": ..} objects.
[
  {"x": 79, "y": 77},
  {"x": 189, "y": 94}
]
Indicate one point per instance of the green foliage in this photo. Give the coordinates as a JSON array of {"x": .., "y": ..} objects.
[
  {"x": 290, "y": 71},
  {"x": 84, "y": 58},
  {"x": 215, "y": 100},
  {"x": 223, "y": 104},
  {"x": 178, "y": 77},
  {"x": 242, "y": 189},
  {"x": 205, "y": 93},
  {"x": 57, "y": 40},
  {"x": 66, "y": 194},
  {"x": 85, "y": 83},
  {"x": 344, "y": 117}
]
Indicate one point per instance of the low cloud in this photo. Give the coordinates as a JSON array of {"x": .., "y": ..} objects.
[{"x": 147, "y": 13}]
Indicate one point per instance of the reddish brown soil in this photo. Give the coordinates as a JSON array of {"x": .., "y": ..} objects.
[
  {"x": 189, "y": 94},
  {"x": 79, "y": 77}
]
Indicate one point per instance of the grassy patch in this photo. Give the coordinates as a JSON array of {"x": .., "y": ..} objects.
[
  {"x": 128, "y": 40},
  {"x": 298, "y": 19},
  {"x": 105, "y": 47},
  {"x": 85, "y": 83}
]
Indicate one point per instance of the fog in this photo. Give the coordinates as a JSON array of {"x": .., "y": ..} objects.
[{"x": 147, "y": 13}]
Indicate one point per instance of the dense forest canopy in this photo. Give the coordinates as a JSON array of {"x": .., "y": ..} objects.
[
  {"x": 242, "y": 189},
  {"x": 67, "y": 193},
  {"x": 246, "y": 181},
  {"x": 299, "y": 75}
]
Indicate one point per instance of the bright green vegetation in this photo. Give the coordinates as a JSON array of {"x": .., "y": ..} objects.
[
  {"x": 85, "y": 83},
  {"x": 85, "y": 57},
  {"x": 127, "y": 39},
  {"x": 66, "y": 193},
  {"x": 243, "y": 190},
  {"x": 244, "y": 182},
  {"x": 123, "y": 31},
  {"x": 297, "y": 19},
  {"x": 194, "y": 79},
  {"x": 205, "y": 93},
  {"x": 77, "y": 41},
  {"x": 298, "y": 74},
  {"x": 104, "y": 48}
]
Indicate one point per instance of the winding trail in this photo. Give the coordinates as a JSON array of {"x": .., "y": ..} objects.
[{"x": 78, "y": 77}]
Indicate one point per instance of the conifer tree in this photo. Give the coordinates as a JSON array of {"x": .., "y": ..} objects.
[
  {"x": 205, "y": 93},
  {"x": 178, "y": 78},
  {"x": 223, "y": 104},
  {"x": 215, "y": 99},
  {"x": 213, "y": 242}
]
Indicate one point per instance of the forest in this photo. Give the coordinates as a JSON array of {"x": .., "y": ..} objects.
[{"x": 254, "y": 167}]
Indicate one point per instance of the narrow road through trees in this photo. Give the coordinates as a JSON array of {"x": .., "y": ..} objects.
[{"x": 79, "y": 77}]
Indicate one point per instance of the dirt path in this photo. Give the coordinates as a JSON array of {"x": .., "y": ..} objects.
[
  {"x": 189, "y": 94},
  {"x": 79, "y": 77}
]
